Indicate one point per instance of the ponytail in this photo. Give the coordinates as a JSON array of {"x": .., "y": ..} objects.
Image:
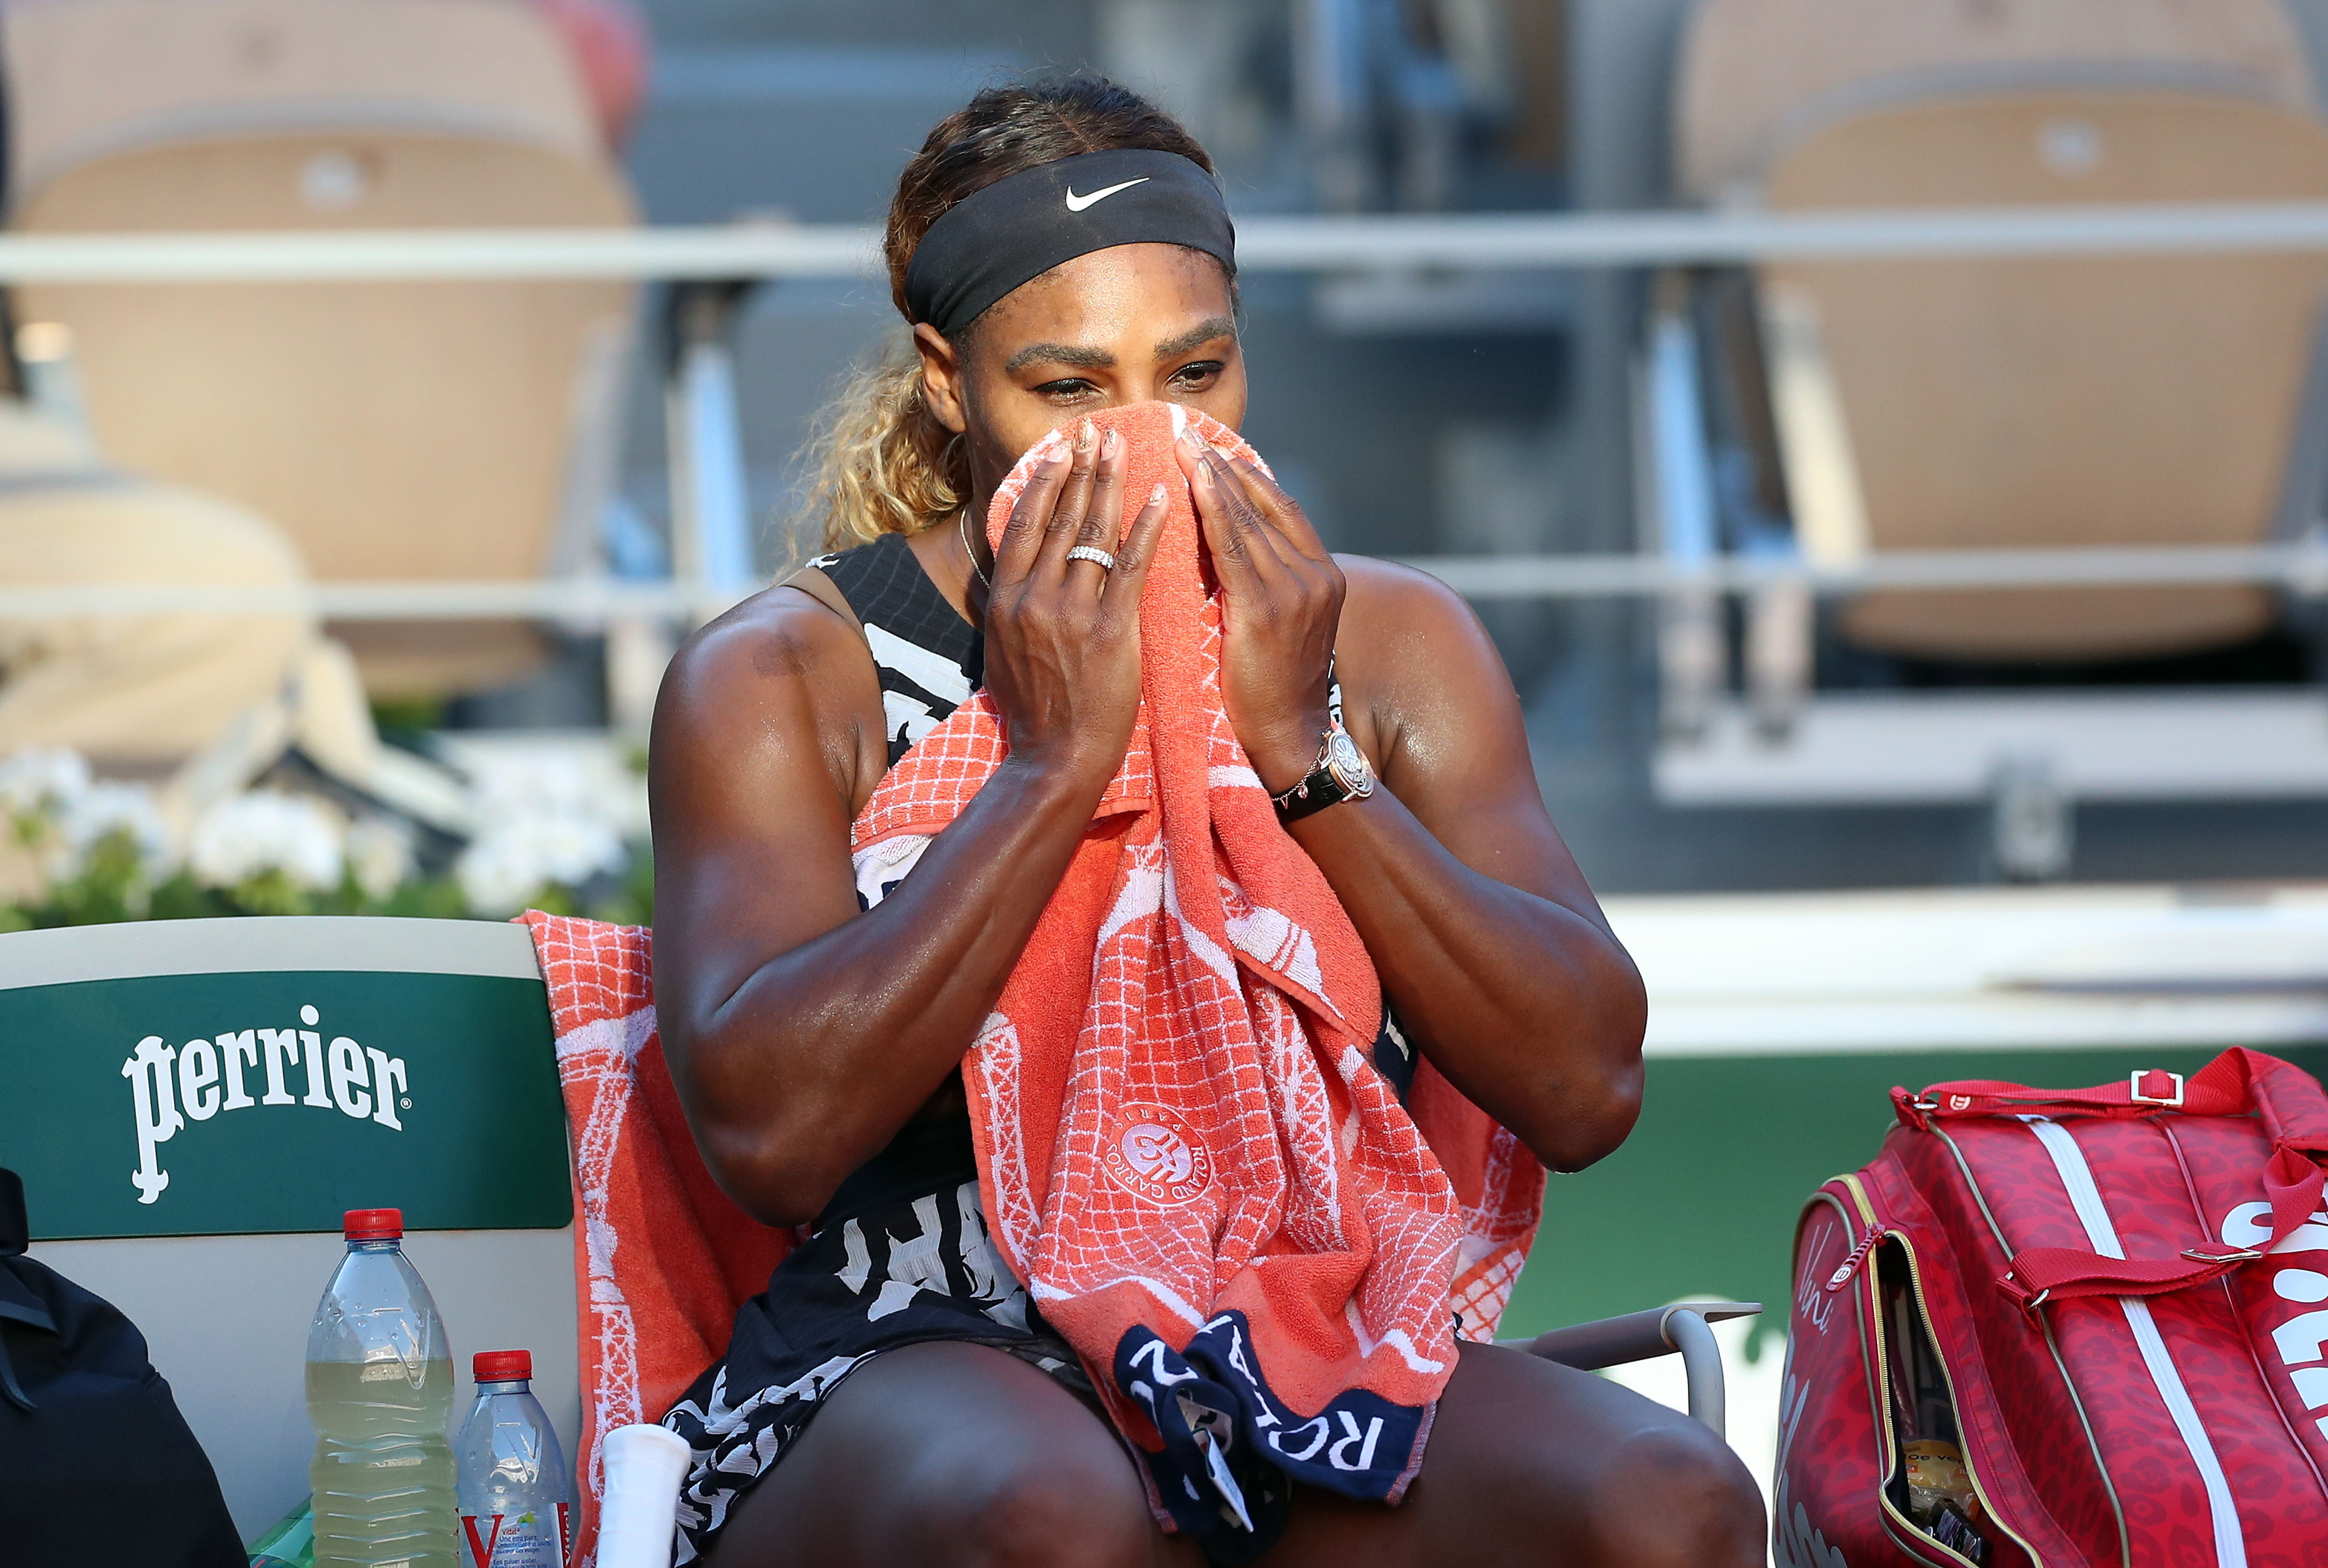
[{"x": 884, "y": 464}]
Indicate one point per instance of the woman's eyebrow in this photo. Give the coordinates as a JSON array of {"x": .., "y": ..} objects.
[
  {"x": 1196, "y": 337},
  {"x": 1082, "y": 359}
]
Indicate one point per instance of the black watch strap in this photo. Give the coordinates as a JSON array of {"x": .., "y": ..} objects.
[
  {"x": 1314, "y": 793},
  {"x": 1341, "y": 773}
]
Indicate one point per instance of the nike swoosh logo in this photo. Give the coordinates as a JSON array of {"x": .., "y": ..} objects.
[{"x": 1078, "y": 203}]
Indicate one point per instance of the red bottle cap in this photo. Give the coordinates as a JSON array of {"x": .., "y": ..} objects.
[
  {"x": 503, "y": 1365},
  {"x": 375, "y": 1225}
]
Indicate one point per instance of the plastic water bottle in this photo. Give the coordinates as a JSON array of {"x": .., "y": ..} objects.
[
  {"x": 380, "y": 1390},
  {"x": 515, "y": 1487}
]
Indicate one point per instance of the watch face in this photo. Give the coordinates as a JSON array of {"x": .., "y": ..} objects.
[{"x": 1347, "y": 763}]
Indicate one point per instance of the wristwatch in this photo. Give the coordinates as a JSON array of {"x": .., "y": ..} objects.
[{"x": 1341, "y": 773}]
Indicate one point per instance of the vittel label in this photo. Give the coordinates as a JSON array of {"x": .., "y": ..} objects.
[
  {"x": 247, "y": 1069},
  {"x": 1151, "y": 1153},
  {"x": 527, "y": 1540}
]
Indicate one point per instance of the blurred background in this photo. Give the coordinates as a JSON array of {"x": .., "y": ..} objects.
[
  {"x": 390, "y": 432},
  {"x": 1921, "y": 639}
]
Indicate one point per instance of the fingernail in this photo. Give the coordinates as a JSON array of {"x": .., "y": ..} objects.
[
  {"x": 1087, "y": 435},
  {"x": 1204, "y": 470},
  {"x": 1156, "y": 496},
  {"x": 1110, "y": 444}
]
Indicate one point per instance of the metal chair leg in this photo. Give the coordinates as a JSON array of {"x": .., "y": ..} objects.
[
  {"x": 1643, "y": 1336},
  {"x": 1700, "y": 1359}
]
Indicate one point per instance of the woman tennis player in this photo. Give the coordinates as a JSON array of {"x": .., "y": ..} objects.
[{"x": 896, "y": 1397}]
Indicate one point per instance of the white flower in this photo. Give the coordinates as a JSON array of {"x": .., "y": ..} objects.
[
  {"x": 551, "y": 779},
  {"x": 549, "y": 812},
  {"x": 249, "y": 835},
  {"x": 536, "y": 783},
  {"x": 41, "y": 778},
  {"x": 108, "y": 808},
  {"x": 379, "y": 854},
  {"x": 515, "y": 856}
]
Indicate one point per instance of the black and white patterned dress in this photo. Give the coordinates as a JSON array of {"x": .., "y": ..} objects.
[{"x": 901, "y": 1256}]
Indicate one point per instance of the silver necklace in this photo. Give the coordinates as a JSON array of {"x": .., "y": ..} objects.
[{"x": 963, "y": 518}]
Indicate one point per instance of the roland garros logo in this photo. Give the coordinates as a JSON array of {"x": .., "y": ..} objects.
[
  {"x": 1152, "y": 1153},
  {"x": 170, "y": 1085}
]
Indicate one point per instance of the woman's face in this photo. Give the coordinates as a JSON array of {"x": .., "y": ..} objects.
[{"x": 1129, "y": 324}]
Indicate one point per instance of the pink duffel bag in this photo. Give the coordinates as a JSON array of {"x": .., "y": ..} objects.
[{"x": 2068, "y": 1326}]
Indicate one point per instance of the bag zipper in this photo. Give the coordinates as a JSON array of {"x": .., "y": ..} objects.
[
  {"x": 1844, "y": 1270},
  {"x": 1894, "y": 1522},
  {"x": 2053, "y": 1349}
]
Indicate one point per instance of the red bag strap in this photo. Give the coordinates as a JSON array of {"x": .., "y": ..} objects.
[
  {"x": 2235, "y": 1084},
  {"x": 2287, "y": 1100},
  {"x": 2041, "y": 1274}
]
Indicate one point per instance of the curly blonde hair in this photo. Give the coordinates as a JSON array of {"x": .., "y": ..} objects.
[{"x": 884, "y": 463}]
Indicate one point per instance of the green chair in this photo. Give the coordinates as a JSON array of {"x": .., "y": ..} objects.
[{"x": 193, "y": 1105}]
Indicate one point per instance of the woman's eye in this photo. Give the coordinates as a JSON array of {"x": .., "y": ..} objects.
[
  {"x": 1191, "y": 376},
  {"x": 1069, "y": 388}
]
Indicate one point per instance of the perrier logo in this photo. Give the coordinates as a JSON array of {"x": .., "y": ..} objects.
[{"x": 169, "y": 1084}]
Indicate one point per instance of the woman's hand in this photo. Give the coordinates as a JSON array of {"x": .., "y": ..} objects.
[
  {"x": 1281, "y": 606},
  {"x": 1062, "y": 636}
]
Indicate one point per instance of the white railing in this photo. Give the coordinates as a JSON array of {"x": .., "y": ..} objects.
[
  {"x": 594, "y": 601},
  {"x": 1264, "y": 244},
  {"x": 2301, "y": 568},
  {"x": 1363, "y": 244}
]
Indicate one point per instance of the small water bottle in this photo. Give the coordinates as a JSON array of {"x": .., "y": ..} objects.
[{"x": 514, "y": 1485}]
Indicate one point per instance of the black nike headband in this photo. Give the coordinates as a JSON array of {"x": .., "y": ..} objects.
[{"x": 1025, "y": 224}]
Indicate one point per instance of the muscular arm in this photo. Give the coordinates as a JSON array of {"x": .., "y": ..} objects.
[
  {"x": 1488, "y": 941},
  {"x": 802, "y": 1033}
]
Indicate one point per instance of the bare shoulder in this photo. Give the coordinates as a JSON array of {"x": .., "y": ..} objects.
[
  {"x": 779, "y": 670},
  {"x": 780, "y": 636},
  {"x": 1400, "y": 627}
]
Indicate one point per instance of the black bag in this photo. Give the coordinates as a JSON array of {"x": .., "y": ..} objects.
[{"x": 95, "y": 1463}]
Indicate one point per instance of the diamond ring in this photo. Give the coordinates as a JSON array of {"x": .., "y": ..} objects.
[{"x": 1092, "y": 552}]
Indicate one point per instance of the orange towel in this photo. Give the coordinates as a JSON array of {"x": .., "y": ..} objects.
[
  {"x": 662, "y": 1258},
  {"x": 1186, "y": 1151}
]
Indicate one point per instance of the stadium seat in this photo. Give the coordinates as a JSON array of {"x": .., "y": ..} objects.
[
  {"x": 396, "y": 431},
  {"x": 136, "y": 693},
  {"x": 1948, "y": 403},
  {"x": 1755, "y": 75}
]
